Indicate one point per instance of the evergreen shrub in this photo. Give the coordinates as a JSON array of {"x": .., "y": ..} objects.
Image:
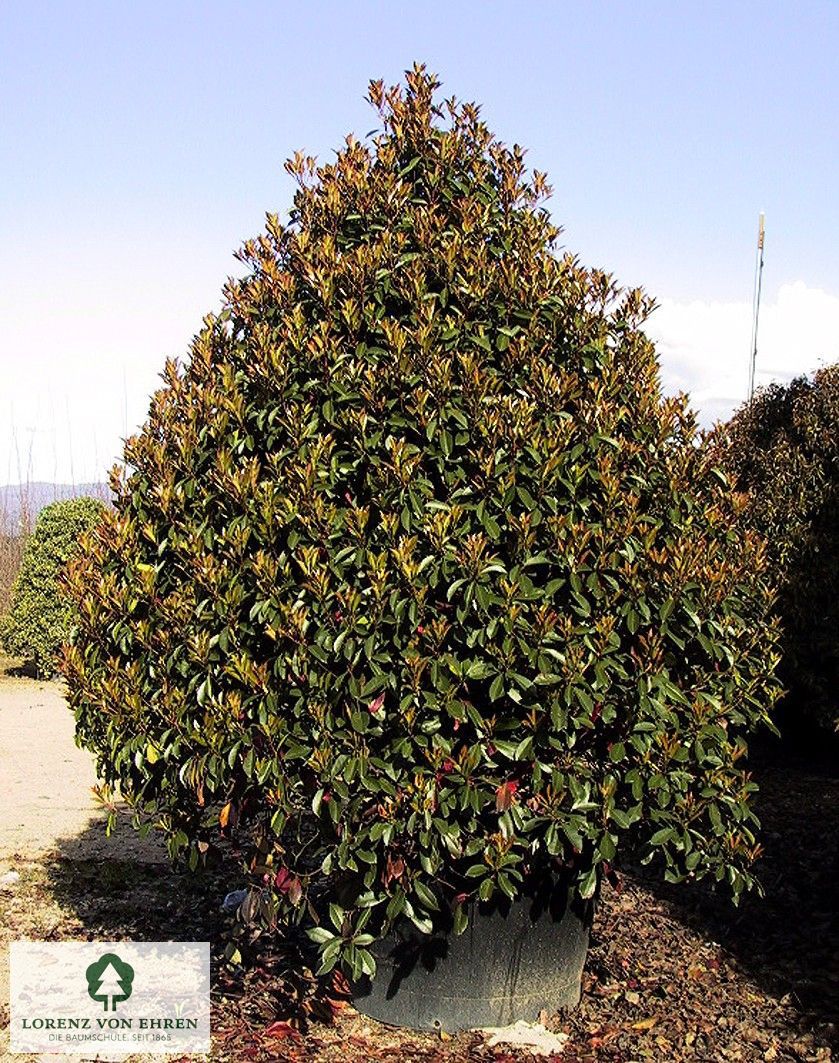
[{"x": 416, "y": 584}]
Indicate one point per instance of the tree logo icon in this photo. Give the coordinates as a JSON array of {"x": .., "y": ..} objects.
[{"x": 109, "y": 980}]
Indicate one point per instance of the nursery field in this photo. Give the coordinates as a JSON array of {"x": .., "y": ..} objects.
[{"x": 672, "y": 973}]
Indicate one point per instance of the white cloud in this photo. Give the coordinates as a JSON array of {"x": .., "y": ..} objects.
[
  {"x": 704, "y": 346},
  {"x": 80, "y": 357}
]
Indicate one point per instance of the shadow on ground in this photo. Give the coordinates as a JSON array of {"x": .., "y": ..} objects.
[
  {"x": 121, "y": 889},
  {"x": 23, "y": 670},
  {"x": 787, "y": 941},
  {"x": 761, "y": 980},
  {"x": 124, "y": 887}
]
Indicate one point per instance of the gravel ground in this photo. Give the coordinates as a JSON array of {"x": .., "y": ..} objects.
[{"x": 673, "y": 974}]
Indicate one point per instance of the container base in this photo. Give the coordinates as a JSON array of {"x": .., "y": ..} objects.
[{"x": 512, "y": 961}]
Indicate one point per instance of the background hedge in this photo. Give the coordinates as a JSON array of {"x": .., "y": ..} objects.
[
  {"x": 41, "y": 613},
  {"x": 782, "y": 450}
]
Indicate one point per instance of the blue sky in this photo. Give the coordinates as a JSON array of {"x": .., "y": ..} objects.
[{"x": 140, "y": 144}]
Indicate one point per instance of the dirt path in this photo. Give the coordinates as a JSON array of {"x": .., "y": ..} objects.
[
  {"x": 47, "y": 807},
  {"x": 46, "y": 781}
]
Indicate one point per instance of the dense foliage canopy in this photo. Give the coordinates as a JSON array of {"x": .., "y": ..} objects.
[
  {"x": 41, "y": 613},
  {"x": 782, "y": 449},
  {"x": 416, "y": 581}
]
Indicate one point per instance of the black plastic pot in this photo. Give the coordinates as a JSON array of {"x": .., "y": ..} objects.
[{"x": 512, "y": 961}]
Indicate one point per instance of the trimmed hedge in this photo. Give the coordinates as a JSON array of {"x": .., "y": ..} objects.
[
  {"x": 416, "y": 582},
  {"x": 782, "y": 449},
  {"x": 41, "y": 614}
]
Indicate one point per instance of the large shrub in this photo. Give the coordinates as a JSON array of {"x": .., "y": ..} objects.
[
  {"x": 416, "y": 581},
  {"x": 782, "y": 449},
  {"x": 41, "y": 613}
]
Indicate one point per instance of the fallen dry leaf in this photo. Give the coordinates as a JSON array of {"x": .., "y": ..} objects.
[{"x": 282, "y": 1029}]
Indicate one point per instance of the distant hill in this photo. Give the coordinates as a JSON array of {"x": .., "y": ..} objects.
[{"x": 17, "y": 500}]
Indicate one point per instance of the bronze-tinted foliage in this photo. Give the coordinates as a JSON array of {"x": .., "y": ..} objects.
[
  {"x": 782, "y": 449},
  {"x": 416, "y": 573}
]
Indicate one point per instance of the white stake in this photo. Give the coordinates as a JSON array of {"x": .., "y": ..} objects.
[{"x": 761, "y": 232}]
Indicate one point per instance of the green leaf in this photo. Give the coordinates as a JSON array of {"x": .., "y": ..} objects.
[
  {"x": 320, "y": 935},
  {"x": 460, "y": 920},
  {"x": 425, "y": 895},
  {"x": 662, "y": 836},
  {"x": 588, "y": 883}
]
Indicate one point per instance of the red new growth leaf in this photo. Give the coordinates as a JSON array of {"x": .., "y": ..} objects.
[
  {"x": 505, "y": 795},
  {"x": 288, "y": 884},
  {"x": 394, "y": 871},
  {"x": 340, "y": 984},
  {"x": 295, "y": 891}
]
